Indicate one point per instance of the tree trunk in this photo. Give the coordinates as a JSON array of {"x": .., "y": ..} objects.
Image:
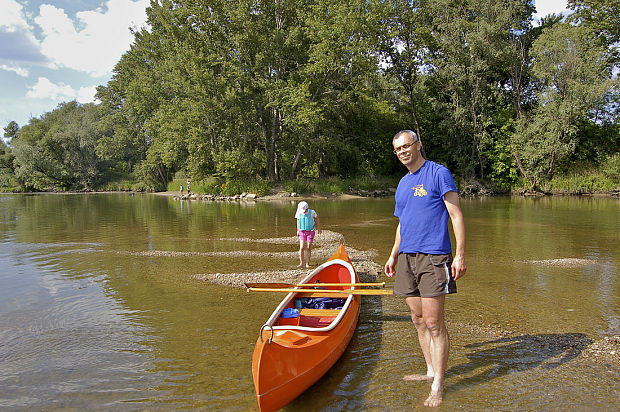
[
  {"x": 267, "y": 143},
  {"x": 293, "y": 174}
]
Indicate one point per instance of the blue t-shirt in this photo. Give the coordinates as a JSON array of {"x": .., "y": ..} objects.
[{"x": 421, "y": 210}]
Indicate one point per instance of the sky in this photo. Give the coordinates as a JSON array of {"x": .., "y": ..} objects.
[{"x": 55, "y": 51}]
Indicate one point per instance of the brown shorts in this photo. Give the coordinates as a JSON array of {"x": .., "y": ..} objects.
[{"x": 424, "y": 275}]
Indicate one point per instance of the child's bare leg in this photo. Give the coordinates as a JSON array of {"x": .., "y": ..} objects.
[
  {"x": 301, "y": 253},
  {"x": 308, "y": 253}
]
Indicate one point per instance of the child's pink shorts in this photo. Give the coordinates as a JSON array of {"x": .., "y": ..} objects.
[{"x": 306, "y": 235}]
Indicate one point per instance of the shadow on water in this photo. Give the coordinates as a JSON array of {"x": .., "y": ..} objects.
[
  {"x": 500, "y": 357},
  {"x": 343, "y": 387}
]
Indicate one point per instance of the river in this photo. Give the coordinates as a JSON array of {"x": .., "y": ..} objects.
[{"x": 101, "y": 306}]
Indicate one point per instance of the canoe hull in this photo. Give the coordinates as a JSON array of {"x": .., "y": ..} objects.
[{"x": 287, "y": 360}]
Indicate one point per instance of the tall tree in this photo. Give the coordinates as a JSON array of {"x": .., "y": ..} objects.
[
  {"x": 575, "y": 79},
  {"x": 406, "y": 44},
  {"x": 241, "y": 87},
  {"x": 7, "y": 168},
  {"x": 7, "y": 172},
  {"x": 57, "y": 151},
  {"x": 469, "y": 68},
  {"x": 602, "y": 16}
]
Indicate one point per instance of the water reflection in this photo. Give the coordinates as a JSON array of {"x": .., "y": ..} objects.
[{"x": 100, "y": 308}]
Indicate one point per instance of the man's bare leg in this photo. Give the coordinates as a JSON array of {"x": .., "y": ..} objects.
[
  {"x": 424, "y": 337},
  {"x": 439, "y": 348}
]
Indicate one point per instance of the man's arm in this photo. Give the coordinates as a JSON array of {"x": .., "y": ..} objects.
[
  {"x": 451, "y": 200},
  {"x": 390, "y": 265}
]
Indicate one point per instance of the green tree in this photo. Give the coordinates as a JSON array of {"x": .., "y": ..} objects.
[
  {"x": 405, "y": 44},
  {"x": 11, "y": 130},
  {"x": 57, "y": 151},
  {"x": 269, "y": 80},
  {"x": 575, "y": 81},
  {"x": 7, "y": 172},
  {"x": 602, "y": 16},
  {"x": 469, "y": 75}
]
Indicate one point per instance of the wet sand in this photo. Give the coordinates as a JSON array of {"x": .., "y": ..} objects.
[
  {"x": 324, "y": 246},
  {"x": 562, "y": 262},
  {"x": 277, "y": 194}
]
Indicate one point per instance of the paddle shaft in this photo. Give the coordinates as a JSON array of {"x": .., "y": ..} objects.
[
  {"x": 346, "y": 291},
  {"x": 307, "y": 285}
]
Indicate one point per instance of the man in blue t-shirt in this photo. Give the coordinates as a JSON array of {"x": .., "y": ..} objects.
[{"x": 426, "y": 198}]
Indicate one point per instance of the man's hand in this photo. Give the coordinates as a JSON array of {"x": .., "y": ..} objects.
[
  {"x": 458, "y": 267},
  {"x": 390, "y": 266}
]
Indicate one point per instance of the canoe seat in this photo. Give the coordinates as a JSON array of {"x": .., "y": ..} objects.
[
  {"x": 292, "y": 337},
  {"x": 319, "y": 312}
]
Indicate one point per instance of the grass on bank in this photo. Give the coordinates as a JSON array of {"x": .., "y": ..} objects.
[
  {"x": 587, "y": 179},
  {"x": 124, "y": 185},
  {"x": 578, "y": 184}
]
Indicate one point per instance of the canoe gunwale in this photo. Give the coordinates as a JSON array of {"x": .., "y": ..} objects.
[
  {"x": 323, "y": 364},
  {"x": 280, "y": 308},
  {"x": 299, "y": 356}
]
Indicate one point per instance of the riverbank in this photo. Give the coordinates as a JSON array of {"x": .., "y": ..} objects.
[{"x": 279, "y": 193}]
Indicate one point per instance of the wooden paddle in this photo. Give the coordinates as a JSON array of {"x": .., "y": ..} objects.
[
  {"x": 320, "y": 291},
  {"x": 307, "y": 285}
]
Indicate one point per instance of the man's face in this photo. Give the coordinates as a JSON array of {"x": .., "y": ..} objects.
[{"x": 406, "y": 149}]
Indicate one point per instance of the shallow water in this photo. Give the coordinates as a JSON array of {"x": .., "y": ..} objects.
[{"x": 88, "y": 323}]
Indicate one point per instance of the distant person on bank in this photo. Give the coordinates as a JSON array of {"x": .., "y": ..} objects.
[
  {"x": 307, "y": 221},
  {"x": 421, "y": 258}
]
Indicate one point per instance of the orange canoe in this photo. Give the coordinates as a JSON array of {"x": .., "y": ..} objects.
[{"x": 291, "y": 354}]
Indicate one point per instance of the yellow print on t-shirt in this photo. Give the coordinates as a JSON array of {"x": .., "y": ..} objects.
[{"x": 419, "y": 190}]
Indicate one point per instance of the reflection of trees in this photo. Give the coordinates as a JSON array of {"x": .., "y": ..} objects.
[
  {"x": 517, "y": 227},
  {"x": 500, "y": 357},
  {"x": 123, "y": 222},
  {"x": 54, "y": 218},
  {"x": 200, "y": 337}
]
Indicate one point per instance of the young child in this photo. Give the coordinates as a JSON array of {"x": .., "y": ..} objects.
[{"x": 307, "y": 219}]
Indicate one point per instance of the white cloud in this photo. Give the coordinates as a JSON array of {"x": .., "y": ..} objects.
[
  {"x": 95, "y": 41},
  {"x": 19, "y": 70},
  {"x": 546, "y": 7},
  {"x": 45, "y": 89},
  {"x": 12, "y": 15},
  {"x": 18, "y": 45},
  {"x": 86, "y": 94}
]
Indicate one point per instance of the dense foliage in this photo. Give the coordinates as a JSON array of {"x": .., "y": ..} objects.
[{"x": 285, "y": 90}]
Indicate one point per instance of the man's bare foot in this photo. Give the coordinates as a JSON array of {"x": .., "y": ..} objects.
[
  {"x": 434, "y": 399},
  {"x": 300, "y": 265},
  {"x": 417, "y": 377},
  {"x": 307, "y": 265}
]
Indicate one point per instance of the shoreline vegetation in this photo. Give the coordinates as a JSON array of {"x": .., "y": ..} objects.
[{"x": 217, "y": 189}]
